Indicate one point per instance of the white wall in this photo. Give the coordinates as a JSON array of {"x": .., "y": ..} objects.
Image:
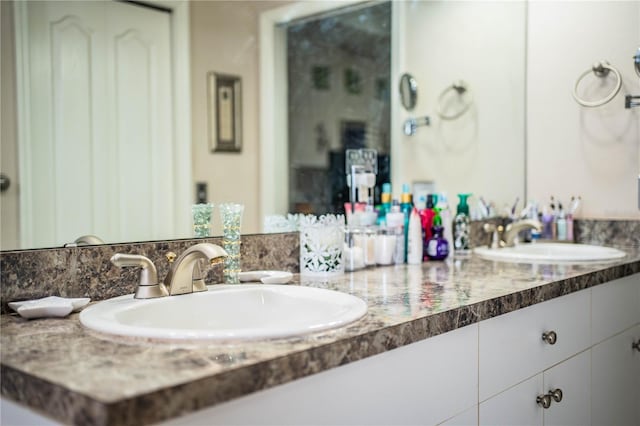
[
  {"x": 572, "y": 150},
  {"x": 481, "y": 152}
]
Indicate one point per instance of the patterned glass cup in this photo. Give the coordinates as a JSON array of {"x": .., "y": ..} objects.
[{"x": 321, "y": 245}]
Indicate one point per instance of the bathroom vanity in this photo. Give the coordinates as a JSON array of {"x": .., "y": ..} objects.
[{"x": 468, "y": 341}]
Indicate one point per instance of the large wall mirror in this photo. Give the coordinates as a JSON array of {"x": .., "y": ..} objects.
[{"x": 117, "y": 151}]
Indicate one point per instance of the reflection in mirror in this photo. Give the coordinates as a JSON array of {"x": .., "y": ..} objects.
[
  {"x": 343, "y": 104},
  {"x": 408, "y": 91},
  {"x": 473, "y": 153}
]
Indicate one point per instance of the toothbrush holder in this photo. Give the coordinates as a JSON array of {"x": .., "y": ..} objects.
[
  {"x": 322, "y": 245},
  {"x": 231, "y": 216}
]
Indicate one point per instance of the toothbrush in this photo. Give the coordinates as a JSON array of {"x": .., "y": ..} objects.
[
  {"x": 513, "y": 208},
  {"x": 575, "y": 203}
]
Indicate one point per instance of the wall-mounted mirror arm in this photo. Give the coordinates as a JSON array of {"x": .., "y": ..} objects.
[{"x": 411, "y": 125}]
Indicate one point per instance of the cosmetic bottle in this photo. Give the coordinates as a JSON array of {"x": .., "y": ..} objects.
[
  {"x": 461, "y": 226},
  {"x": 547, "y": 224},
  {"x": 385, "y": 203},
  {"x": 445, "y": 217},
  {"x": 395, "y": 221},
  {"x": 414, "y": 243},
  {"x": 426, "y": 218},
  {"x": 570, "y": 227},
  {"x": 406, "y": 204},
  {"x": 561, "y": 224},
  {"x": 437, "y": 246}
]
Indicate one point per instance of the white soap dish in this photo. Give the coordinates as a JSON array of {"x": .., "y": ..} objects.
[
  {"x": 52, "y": 306},
  {"x": 266, "y": 277}
]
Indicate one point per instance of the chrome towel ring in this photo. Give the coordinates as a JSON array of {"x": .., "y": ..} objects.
[
  {"x": 460, "y": 87},
  {"x": 600, "y": 69}
]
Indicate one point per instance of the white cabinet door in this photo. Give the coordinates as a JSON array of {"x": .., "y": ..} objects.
[
  {"x": 616, "y": 380},
  {"x": 616, "y": 307},
  {"x": 514, "y": 407},
  {"x": 512, "y": 348},
  {"x": 573, "y": 378},
  {"x": 422, "y": 383}
]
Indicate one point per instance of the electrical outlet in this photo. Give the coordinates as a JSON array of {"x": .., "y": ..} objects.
[{"x": 201, "y": 192}]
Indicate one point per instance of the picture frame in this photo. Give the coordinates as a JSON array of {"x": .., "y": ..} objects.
[{"x": 224, "y": 105}]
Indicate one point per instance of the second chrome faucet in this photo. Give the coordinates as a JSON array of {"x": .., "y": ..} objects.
[{"x": 184, "y": 276}]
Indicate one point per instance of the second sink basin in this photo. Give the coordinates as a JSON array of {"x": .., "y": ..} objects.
[
  {"x": 227, "y": 312},
  {"x": 550, "y": 253}
]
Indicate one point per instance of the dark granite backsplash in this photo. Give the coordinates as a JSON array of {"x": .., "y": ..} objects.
[
  {"x": 619, "y": 233},
  {"x": 87, "y": 271}
]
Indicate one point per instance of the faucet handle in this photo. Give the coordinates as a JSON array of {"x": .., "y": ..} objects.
[
  {"x": 148, "y": 286},
  {"x": 171, "y": 256}
]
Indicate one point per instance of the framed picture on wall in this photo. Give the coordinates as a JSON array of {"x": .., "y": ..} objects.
[{"x": 224, "y": 105}]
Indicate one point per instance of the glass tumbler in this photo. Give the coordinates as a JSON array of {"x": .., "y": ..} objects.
[
  {"x": 201, "y": 214},
  {"x": 231, "y": 216}
]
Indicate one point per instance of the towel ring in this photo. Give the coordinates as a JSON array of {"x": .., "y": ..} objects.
[
  {"x": 460, "y": 87},
  {"x": 600, "y": 69}
]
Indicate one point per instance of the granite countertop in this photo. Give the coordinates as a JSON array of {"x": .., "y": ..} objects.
[{"x": 74, "y": 375}]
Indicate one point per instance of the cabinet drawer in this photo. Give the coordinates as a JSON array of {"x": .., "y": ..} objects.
[
  {"x": 511, "y": 347},
  {"x": 425, "y": 383},
  {"x": 616, "y": 307}
]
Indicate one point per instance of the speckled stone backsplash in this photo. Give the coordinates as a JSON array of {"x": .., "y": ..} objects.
[
  {"x": 620, "y": 233},
  {"x": 87, "y": 271}
]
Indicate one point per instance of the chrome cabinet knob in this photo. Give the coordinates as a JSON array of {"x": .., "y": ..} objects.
[
  {"x": 556, "y": 395},
  {"x": 550, "y": 337},
  {"x": 544, "y": 401},
  {"x": 636, "y": 345}
]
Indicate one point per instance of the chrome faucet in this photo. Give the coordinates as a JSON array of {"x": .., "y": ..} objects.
[
  {"x": 512, "y": 230},
  {"x": 185, "y": 275}
]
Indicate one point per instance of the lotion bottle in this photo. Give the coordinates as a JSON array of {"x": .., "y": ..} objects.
[{"x": 414, "y": 243}]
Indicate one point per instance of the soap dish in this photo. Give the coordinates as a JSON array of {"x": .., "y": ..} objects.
[
  {"x": 266, "y": 277},
  {"x": 52, "y": 306}
]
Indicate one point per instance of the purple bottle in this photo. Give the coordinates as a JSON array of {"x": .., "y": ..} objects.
[{"x": 438, "y": 246}]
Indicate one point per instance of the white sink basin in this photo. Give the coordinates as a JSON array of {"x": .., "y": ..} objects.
[
  {"x": 550, "y": 253},
  {"x": 228, "y": 312}
]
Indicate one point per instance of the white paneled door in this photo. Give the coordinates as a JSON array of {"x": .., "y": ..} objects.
[{"x": 96, "y": 149}]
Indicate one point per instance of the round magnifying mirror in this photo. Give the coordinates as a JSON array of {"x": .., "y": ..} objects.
[{"x": 408, "y": 91}]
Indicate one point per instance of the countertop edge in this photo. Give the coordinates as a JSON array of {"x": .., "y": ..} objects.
[{"x": 73, "y": 407}]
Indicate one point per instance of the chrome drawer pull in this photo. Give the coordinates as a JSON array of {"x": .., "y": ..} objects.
[
  {"x": 550, "y": 337},
  {"x": 544, "y": 401}
]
